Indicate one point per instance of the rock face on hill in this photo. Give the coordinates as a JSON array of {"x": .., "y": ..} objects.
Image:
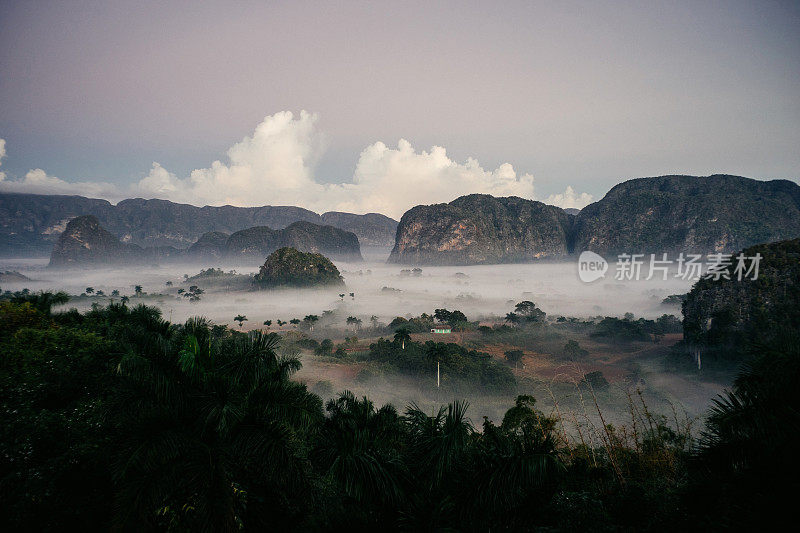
[
  {"x": 729, "y": 315},
  {"x": 31, "y": 223},
  {"x": 288, "y": 267},
  {"x": 689, "y": 214},
  {"x": 482, "y": 229},
  {"x": 84, "y": 241},
  {"x": 667, "y": 214},
  {"x": 327, "y": 240},
  {"x": 209, "y": 246}
]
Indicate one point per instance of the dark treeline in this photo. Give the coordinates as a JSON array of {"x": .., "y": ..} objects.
[{"x": 117, "y": 419}]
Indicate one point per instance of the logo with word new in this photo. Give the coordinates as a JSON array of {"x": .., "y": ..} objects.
[{"x": 591, "y": 266}]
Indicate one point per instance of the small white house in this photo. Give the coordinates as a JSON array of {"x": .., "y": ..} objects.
[{"x": 440, "y": 330}]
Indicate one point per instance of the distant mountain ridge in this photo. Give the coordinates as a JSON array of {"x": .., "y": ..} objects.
[
  {"x": 665, "y": 214},
  {"x": 85, "y": 243},
  {"x": 31, "y": 223}
]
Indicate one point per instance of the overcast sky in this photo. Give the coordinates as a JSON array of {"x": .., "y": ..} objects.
[{"x": 392, "y": 104}]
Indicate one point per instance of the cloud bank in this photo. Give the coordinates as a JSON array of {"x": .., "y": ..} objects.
[
  {"x": 569, "y": 199},
  {"x": 275, "y": 166}
]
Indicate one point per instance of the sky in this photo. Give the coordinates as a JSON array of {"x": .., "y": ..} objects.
[{"x": 378, "y": 106}]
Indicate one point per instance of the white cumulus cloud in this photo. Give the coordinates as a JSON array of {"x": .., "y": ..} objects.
[
  {"x": 273, "y": 166},
  {"x": 569, "y": 198},
  {"x": 37, "y": 181},
  {"x": 276, "y": 166},
  {"x": 392, "y": 180}
]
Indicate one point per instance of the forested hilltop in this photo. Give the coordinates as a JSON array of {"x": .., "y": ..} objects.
[{"x": 117, "y": 419}]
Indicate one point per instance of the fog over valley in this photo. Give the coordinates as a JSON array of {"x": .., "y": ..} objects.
[{"x": 519, "y": 266}]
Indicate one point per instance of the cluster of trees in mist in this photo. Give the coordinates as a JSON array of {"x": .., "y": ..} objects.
[{"x": 116, "y": 418}]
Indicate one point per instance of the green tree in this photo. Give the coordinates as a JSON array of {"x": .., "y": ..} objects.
[
  {"x": 240, "y": 319},
  {"x": 514, "y": 356},
  {"x": 401, "y": 336},
  {"x": 212, "y": 439},
  {"x": 354, "y": 322},
  {"x": 359, "y": 449},
  {"x": 573, "y": 350},
  {"x": 325, "y": 348},
  {"x": 310, "y": 320},
  {"x": 747, "y": 464},
  {"x": 89, "y": 290},
  {"x": 528, "y": 311},
  {"x": 42, "y": 301}
]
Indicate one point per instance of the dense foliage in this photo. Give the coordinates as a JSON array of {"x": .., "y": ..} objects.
[
  {"x": 117, "y": 419},
  {"x": 458, "y": 365}
]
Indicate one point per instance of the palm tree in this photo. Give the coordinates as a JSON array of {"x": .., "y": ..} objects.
[
  {"x": 437, "y": 442},
  {"x": 240, "y": 319},
  {"x": 294, "y": 321},
  {"x": 374, "y": 320},
  {"x": 341, "y": 296},
  {"x": 401, "y": 336},
  {"x": 124, "y": 300},
  {"x": 137, "y": 289},
  {"x": 310, "y": 320},
  {"x": 359, "y": 447},
  {"x": 748, "y": 450},
  {"x": 268, "y": 323},
  {"x": 514, "y": 318},
  {"x": 436, "y": 447},
  {"x": 89, "y": 290},
  {"x": 354, "y": 321},
  {"x": 212, "y": 432}
]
